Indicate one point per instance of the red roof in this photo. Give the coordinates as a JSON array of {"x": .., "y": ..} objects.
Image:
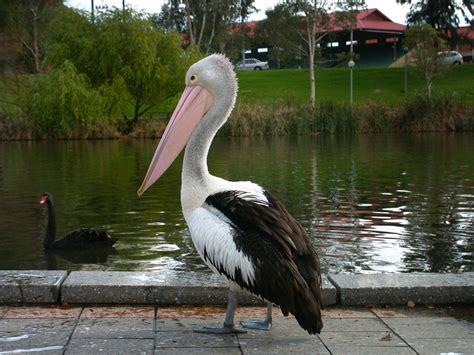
[
  {"x": 467, "y": 32},
  {"x": 373, "y": 20},
  {"x": 366, "y": 20}
]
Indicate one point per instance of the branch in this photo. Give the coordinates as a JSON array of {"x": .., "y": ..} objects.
[{"x": 145, "y": 110}]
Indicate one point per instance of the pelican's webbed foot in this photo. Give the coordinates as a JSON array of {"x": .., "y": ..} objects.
[
  {"x": 223, "y": 330},
  {"x": 257, "y": 324},
  {"x": 265, "y": 324},
  {"x": 228, "y": 327}
]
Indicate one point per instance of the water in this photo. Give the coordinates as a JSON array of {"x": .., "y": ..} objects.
[{"x": 373, "y": 203}]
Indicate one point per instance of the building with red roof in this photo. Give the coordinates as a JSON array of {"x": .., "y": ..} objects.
[{"x": 377, "y": 40}]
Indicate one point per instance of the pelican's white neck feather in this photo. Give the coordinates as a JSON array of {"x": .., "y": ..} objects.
[{"x": 197, "y": 182}]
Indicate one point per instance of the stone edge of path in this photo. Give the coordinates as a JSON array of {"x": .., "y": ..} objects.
[
  {"x": 194, "y": 288},
  {"x": 397, "y": 289},
  {"x": 31, "y": 286},
  {"x": 168, "y": 288}
]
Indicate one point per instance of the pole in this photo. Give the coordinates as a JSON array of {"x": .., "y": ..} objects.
[
  {"x": 351, "y": 66},
  {"x": 92, "y": 10},
  {"x": 350, "y": 100},
  {"x": 242, "y": 30},
  {"x": 405, "y": 50}
]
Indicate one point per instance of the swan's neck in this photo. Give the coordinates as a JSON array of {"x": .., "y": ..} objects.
[
  {"x": 196, "y": 179},
  {"x": 51, "y": 228}
]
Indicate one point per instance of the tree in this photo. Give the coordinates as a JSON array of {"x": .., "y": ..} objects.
[
  {"x": 443, "y": 15},
  {"x": 207, "y": 23},
  {"x": 135, "y": 65},
  {"x": 284, "y": 45},
  {"x": 26, "y": 22},
  {"x": 307, "y": 23},
  {"x": 426, "y": 43}
]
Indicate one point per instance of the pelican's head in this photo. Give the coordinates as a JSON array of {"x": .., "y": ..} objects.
[{"x": 210, "y": 83}]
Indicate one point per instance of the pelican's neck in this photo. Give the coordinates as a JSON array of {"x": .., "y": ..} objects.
[{"x": 195, "y": 176}]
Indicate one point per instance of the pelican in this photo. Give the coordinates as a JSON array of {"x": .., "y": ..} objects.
[{"x": 240, "y": 230}]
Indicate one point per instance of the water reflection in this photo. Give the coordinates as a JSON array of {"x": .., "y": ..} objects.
[{"x": 372, "y": 203}]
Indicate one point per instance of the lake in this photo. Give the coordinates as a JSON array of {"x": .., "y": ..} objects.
[{"x": 381, "y": 203}]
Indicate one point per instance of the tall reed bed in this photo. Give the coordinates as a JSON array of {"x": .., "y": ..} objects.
[
  {"x": 286, "y": 117},
  {"x": 291, "y": 117}
]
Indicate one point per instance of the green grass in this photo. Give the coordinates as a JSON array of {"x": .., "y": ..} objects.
[{"x": 378, "y": 84}]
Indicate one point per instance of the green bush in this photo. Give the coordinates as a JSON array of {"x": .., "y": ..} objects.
[{"x": 61, "y": 102}]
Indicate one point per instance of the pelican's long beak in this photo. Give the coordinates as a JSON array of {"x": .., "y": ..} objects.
[{"x": 192, "y": 106}]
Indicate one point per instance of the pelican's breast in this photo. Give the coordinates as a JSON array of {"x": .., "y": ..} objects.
[{"x": 212, "y": 235}]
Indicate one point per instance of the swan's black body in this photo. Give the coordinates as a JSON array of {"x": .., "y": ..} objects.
[{"x": 83, "y": 238}]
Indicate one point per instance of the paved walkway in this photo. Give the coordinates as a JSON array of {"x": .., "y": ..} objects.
[{"x": 169, "y": 330}]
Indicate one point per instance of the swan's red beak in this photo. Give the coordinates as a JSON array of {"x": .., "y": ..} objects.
[
  {"x": 43, "y": 199},
  {"x": 192, "y": 106}
]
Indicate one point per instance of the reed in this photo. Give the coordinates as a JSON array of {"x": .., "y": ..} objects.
[{"x": 440, "y": 113}]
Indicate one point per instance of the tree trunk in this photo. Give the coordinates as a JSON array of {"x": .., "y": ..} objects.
[
  {"x": 190, "y": 23},
  {"x": 211, "y": 37},
  {"x": 35, "y": 40},
  {"x": 429, "y": 85},
  {"x": 203, "y": 25}
]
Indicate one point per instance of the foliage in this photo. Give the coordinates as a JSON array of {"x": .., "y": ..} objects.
[
  {"x": 442, "y": 113},
  {"x": 444, "y": 15},
  {"x": 24, "y": 28},
  {"x": 296, "y": 27},
  {"x": 135, "y": 65},
  {"x": 207, "y": 24},
  {"x": 61, "y": 101},
  {"x": 426, "y": 43}
]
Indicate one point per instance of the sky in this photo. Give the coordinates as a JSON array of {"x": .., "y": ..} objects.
[{"x": 390, "y": 8}]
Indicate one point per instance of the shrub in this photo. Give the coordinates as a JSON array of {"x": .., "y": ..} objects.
[{"x": 61, "y": 102}]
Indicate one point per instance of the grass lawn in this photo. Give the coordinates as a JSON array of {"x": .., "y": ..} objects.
[{"x": 384, "y": 84}]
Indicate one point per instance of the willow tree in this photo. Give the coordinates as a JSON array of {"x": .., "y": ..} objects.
[{"x": 135, "y": 65}]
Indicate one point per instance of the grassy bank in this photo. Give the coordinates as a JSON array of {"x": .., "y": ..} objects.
[
  {"x": 370, "y": 84},
  {"x": 275, "y": 103}
]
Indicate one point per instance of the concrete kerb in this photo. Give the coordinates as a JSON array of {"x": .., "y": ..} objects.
[
  {"x": 397, "y": 289},
  {"x": 31, "y": 286},
  {"x": 193, "y": 288},
  {"x": 167, "y": 288}
]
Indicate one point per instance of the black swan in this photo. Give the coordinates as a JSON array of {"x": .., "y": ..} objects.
[{"x": 83, "y": 238}]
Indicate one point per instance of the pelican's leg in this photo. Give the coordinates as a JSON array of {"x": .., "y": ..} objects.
[
  {"x": 228, "y": 321},
  {"x": 265, "y": 324}
]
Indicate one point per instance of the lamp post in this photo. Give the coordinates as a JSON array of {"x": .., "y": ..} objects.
[
  {"x": 351, "y": 65},
  {"x": 405, "y": 50}
]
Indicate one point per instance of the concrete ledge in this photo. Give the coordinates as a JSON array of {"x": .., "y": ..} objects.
[
  {"x": 195, "y": 288},
  {"x": 189, "y": 288},
  {"x": 423, "y": 288},
  {"x": 30, "y": 286}
]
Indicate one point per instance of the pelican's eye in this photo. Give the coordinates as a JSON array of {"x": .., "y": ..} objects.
[{"x": 193, "y": 78}]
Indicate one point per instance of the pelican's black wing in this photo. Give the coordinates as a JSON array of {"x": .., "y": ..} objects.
[{"x": 287, "y": 270}]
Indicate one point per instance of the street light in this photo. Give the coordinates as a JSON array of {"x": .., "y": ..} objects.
[
  {"x": 351, "y": 65},
  {"x": 405, "y": 50}
]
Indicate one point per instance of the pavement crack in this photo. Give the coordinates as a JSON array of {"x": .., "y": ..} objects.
[
  {"x": 322, "y": 342},
  {"x": 73, "y": 330},
  {"x": 393, "y": 331}
]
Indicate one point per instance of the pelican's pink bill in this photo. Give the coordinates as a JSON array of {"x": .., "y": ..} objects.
[{"x": 192, "y": 106}]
